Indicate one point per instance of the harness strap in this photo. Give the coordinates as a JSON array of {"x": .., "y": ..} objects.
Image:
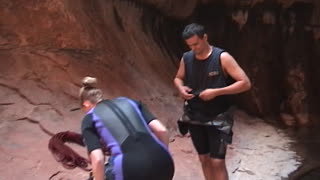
[{"x": 123, "y": 118}]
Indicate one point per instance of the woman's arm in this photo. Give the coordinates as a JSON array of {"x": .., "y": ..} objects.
[
  {"x": 155, "y": 125},
  {"x": 97, "y": 161},
  {"x": 160, "y": 131},
  {"x": 94, "y": 147}
]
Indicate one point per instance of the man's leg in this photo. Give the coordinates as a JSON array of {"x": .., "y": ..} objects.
[
  {"x": 199, "y": 136},
  {"x": 213, "y": 169},
  {"x": 219, "y": 169},
  {"x": 211, "y": 150},
  {"x": 218, "y": 150},
  {"x": 207, "y": 170}
]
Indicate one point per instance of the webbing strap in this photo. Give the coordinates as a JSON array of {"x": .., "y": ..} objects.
[{"x": 123, "y": 118}]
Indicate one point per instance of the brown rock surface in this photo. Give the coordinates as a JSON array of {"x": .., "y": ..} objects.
[{"x": 45, "y": 49}]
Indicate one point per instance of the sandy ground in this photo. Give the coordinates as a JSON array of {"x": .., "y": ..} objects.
[{"x": 259, "y": 152}]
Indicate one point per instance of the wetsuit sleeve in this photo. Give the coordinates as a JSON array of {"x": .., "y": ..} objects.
[
  {"x": 90, "y": 135},
  {"x": 148, "y": 116}
]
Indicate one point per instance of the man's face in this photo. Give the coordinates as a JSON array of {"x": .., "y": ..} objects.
[{"x": 197, "y": 44}]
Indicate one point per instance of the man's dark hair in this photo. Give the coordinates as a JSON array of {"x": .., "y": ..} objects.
[{"x": 193, "y": 29}]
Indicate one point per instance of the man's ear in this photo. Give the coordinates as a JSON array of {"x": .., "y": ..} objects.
[{"x": 205, "y": 37}]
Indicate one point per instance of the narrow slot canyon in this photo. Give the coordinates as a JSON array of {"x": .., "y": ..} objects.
[{"x": 134, "y": 48}]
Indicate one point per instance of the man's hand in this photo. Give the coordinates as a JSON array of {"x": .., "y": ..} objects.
[
  {"x": 208, "y": 94},
  {"x": 185, "y": 92}
]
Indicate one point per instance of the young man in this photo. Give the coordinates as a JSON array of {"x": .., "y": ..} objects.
[{"x": 203, "y": 82}]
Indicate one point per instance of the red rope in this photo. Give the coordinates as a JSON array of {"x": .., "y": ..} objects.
[{"x": 64, "y": 154}]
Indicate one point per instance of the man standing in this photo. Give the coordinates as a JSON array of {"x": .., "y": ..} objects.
[{"x": 203, "y": 80}]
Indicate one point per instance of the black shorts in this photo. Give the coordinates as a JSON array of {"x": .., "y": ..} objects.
[{"x": 208, "y": 140}]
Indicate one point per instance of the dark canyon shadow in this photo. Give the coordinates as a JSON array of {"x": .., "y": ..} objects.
[{"x": 277, "y": 48}]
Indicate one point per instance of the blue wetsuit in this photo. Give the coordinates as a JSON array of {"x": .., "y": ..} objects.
[{"x": 136, "y": 154}]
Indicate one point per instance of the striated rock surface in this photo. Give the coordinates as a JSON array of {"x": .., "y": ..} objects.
[{"x": 46, "y": 48}]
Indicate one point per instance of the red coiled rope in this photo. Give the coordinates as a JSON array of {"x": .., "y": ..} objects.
[{"x": 64, "y": 154}]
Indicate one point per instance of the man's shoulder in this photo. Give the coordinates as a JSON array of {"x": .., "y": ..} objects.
[
  {"x": 216, "y": 47},
  {"x": 188, "y": 55},
  {"x": 225, "y": 55},
  {"x": 218, "y": 50}
]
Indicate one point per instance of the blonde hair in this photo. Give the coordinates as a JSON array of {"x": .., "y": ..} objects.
[{"x": 89, "y": 91}]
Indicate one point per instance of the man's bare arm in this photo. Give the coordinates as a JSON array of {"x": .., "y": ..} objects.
[
  {"x": 178, "y": 82},
  {"x": 231, "y": 68}
]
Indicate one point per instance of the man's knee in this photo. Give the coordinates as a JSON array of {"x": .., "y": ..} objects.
[
  {"x": 204, "y": 159},
  {"x": 217, "y": 163}
]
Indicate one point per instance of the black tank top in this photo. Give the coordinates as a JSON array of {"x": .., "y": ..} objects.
[{"x": 201, "y": 75}]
